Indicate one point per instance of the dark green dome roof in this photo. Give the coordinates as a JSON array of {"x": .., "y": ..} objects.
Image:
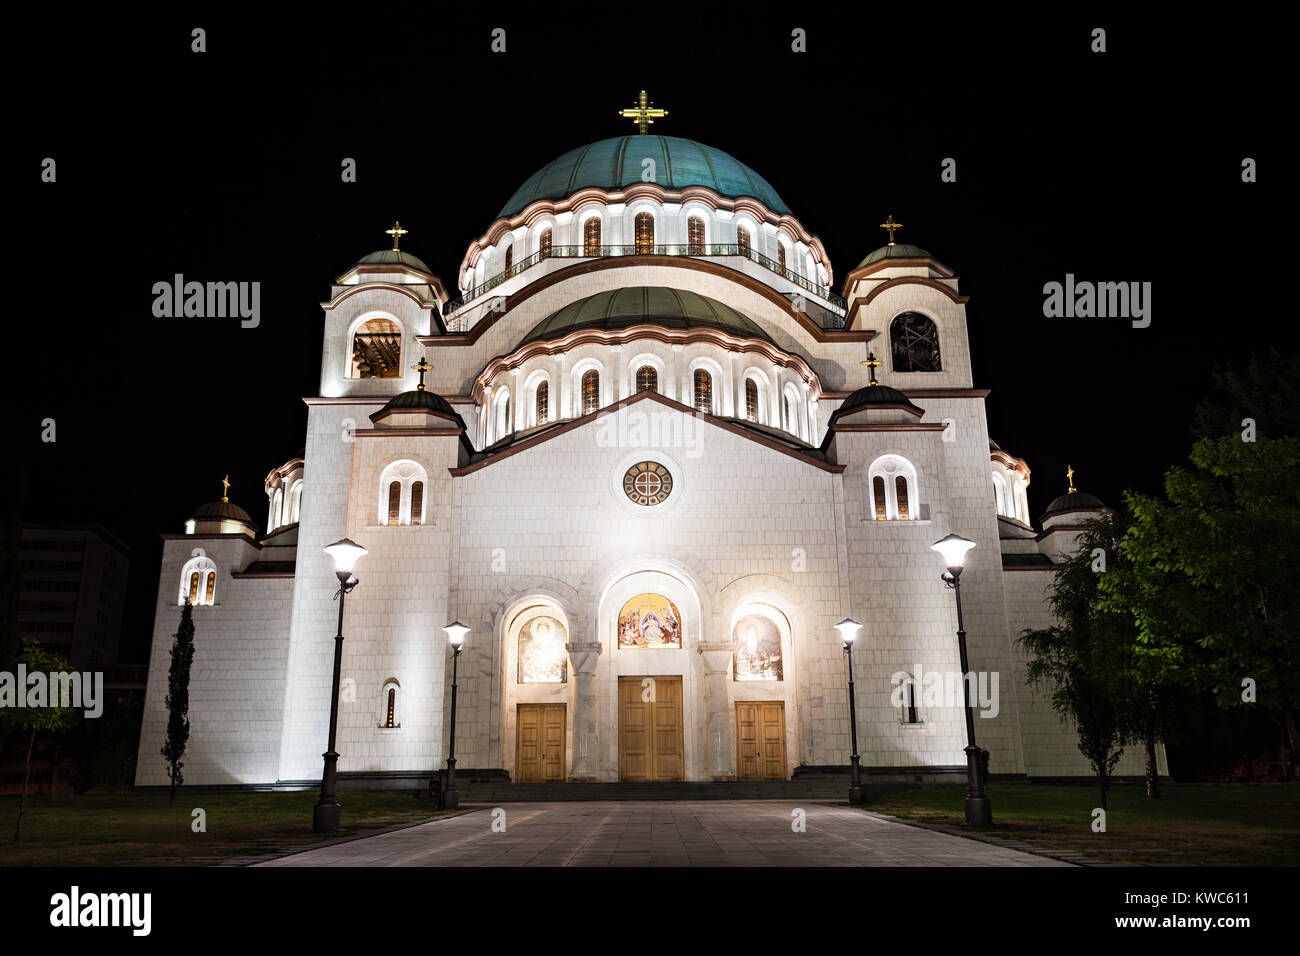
[
  {"x": 876, "y": 395},
  {"x": 394, "y": 257},
  {"x": 899, "y": 250},
  {"x": 620, "y": 308},
  {"x": 222, "y": 510},
  {"x": 614, "y": 163},
  {"x": 419, "y": 400},
  {"x": 1078, "y": 501}
]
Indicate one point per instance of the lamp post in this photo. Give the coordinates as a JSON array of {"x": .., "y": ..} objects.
[
  {"x": 327, "y": 815},
  {"x": 978, "y": 812},
  {"x": 456, "y": 632},
  {"x": 848, "y": 629}
]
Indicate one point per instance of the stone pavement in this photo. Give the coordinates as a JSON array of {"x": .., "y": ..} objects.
[{"x": 685, "y": 833}]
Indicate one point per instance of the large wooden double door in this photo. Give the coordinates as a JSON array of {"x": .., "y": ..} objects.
[
  {"x": 540, "y": 731},
  {"x": 760, "y": 740},
  {"x": 650, "y": 729}
]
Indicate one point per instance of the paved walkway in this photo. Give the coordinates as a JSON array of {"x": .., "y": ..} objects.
[{"x": 686, "y": 833}]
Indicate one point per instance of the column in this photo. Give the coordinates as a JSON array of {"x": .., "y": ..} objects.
[
  {"x": 718, "y": 760},
  {"x": 584, "y": 658}
]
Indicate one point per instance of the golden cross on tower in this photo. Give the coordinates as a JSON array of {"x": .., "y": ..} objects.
[
  {"x": 643, "y": 113},
  {"x": 891, "y": 226},
  {"x": 396, "y": 232},
  {"x": 225, "y": 488},
  {"x": 1069, "y": 476},
  {"x": 421, "y": 367},
  {"x": 872, "y": 363}
]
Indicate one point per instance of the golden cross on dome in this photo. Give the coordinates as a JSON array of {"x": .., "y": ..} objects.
[
  {"x": 643, "y": 113},
  {"x": 421, "y": 367},
  {"x": 1069, "y": 476},
  {"x": 225, "y": 488},
  {"x": 891, "y": 226},
  {"x": 873, "y": 363},
  {"x": 396, "y": 232}
]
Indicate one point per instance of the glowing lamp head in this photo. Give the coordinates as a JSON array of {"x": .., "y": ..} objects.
[
  {"x": 456, "y": 632},
  {"x": 953, "y": 548},
  {"x": 848, "y": 629},
  {"x": 345, "y": 554}
]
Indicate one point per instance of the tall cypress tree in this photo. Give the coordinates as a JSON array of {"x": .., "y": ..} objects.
[{"x": 178, "y": 699}]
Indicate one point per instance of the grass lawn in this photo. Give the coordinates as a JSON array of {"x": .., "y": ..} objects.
[
  {"x": 145, "y": 831},
  {"x": 1189, "y": 825}
]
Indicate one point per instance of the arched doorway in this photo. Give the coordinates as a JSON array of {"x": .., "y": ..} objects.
[{"x": 537, "y": 692}]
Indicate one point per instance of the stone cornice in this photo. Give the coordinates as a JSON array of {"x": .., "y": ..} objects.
[{"x": 861, "y": 301}]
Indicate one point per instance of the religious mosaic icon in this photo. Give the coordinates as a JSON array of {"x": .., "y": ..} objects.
[
  {"x": 649, "y": 620},
  {"x": 647, "y": 483},
  {"x": 756, "y": 651},
  {"x": 542, "y": 655}
]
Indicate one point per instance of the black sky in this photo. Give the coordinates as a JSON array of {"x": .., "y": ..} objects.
[{"x": 1123, "y": 166}]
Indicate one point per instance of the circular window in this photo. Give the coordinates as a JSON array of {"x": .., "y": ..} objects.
[{"x": 647, "y": 483}]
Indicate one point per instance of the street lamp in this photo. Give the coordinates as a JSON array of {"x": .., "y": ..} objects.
[
  {"x": 848, "y": 629},
  {"x": 326, "y": 817},
  {"x": 456, "y": 632},
  {"x": 978, "y": 812}
]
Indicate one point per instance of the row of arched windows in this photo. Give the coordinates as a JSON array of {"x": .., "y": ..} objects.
[{"x": 198, "y": 581}]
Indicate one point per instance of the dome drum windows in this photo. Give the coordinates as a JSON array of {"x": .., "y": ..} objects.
[
  {"x": 743, "y": 243},
  {"x": 703, "y": 391},
  {"x": 644, "y": 234},
  {"x": 914, "y": 343},
  {"x": 402, "y": 492},
  {"x": 695, "y": 236},
  {"x": 591, "y": 237},
  {"x": 544, "y": 243},
  {"x": 751, "y": 400},
  {"x": 893, "y": 490},
  {"x": 543, "y": 402},
  {"x": 590, "y": 391},
  {"x": 647, "y": 379}
]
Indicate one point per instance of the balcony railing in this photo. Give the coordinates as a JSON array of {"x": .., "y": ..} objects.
[{"x": 835, "y": 310}]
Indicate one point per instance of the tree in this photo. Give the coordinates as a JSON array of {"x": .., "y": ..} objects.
[
  {"x": 46, "y": 716},
  {"x": 1267, "y": 391},
  {"x": 1087, "y": 660},
  {"x": 1212, "y": 589},
  {"x": 178, "y": 699}
]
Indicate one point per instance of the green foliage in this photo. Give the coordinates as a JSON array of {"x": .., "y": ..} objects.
[
  {"x": 178, "y": 698},
  {"x": 1087, "y": 658},
  {"x": 1212, "y": 589},
  {"x": 50, "y": 717}
]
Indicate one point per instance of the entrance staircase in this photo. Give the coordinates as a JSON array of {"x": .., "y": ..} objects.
[{"x": 494, "y": 792}]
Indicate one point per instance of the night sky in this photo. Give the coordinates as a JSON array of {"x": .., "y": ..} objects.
[{"x": 1123, "y": 166}]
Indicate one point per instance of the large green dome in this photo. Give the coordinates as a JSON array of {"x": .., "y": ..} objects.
[
  {"x": 614, "y": 163},
  {"x": 620, "y": 308}
]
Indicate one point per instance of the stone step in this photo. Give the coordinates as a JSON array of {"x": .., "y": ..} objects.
[{"x": 676, "y": 790}]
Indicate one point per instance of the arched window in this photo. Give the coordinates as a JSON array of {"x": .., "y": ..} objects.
[
  {"x": 645, "y": 233},
  {"x": 388, "y": 705},
  {"x": 544, "y": 243},
  {"x": 742, "y": 241},
  {"x": 394, "y": 502},
  {"x": 878, "y": 493},
  {"x": 510, "y": 258},
  {"x": 893, "y": 489},
  {"x": 295, "y": 503},
  {"x": 703, "y": 391},
  {"x": 911, "y": 715},
  {"x": 914, "y": 342},
  {"x": 377, "y": 350},
  {"x": 501, "y": 413},
  {"x": 751, "y": 399},
  {"x": 390, "y": 717},
  {"x": 417, "y": 502},
  {"x": 198, "y": 580},
  {"x": 647, "y": 379},
  {"x": 780, "y": 256},
  {"x": 905, "y": 699},
  {"x": 543, "y": 402},
  {"x": 277, "y": 508},
  {"x": 591, "y": 237},
  {"x": 590, "y": 391},
  {"x": 402, "y": 487},
  {"x": 695, "y": 236},
  {"x": 791, "y": 412}
]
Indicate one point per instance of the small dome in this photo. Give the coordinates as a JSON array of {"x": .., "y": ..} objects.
[
  {"x": 419, "y": 400},
  {"x": 1076, "y": 501},
  {"x": 658, "y": 305},
  {"x": 394, "y": 257},
  {"x": 614, "y": 163},
  {"x": 899, "y": 250},
  {"x": 876, "y": 395},
  {"x": 222, "y": 510}
]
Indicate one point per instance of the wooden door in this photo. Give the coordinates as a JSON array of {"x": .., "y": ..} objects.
[
  {"x": 760, "y": 740},
  {"x": 540, "y": 732},
  {"x": 650, "y": 732}
]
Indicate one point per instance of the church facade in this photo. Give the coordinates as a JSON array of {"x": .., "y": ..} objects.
[{"x": 650, "y": 458}]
